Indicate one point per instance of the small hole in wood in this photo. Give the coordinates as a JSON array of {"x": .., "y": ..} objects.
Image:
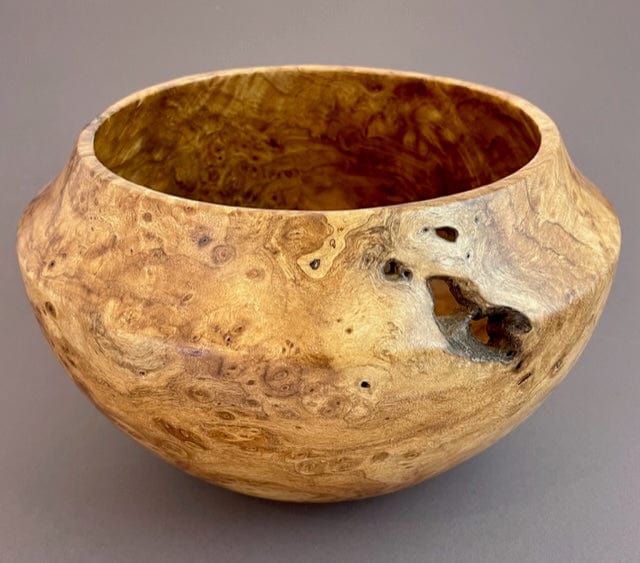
[
  {"x": 50, "y": 309},
  {"x": 447, "y": 233},
  {"x": 524, "y": 378},
  {"x": 395, "y": 270}
]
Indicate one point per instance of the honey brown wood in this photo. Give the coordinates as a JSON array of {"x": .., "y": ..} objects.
[{"x": 318, "y": 283}]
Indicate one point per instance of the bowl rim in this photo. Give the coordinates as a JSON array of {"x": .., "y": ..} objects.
[{"x": 549, "y": 146}]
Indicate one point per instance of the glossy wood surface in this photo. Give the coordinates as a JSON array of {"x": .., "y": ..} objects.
[{"x": 318, "y": 283}]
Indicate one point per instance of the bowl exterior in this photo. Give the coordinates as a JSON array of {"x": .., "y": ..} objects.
[{"x": 277, "y": 353}]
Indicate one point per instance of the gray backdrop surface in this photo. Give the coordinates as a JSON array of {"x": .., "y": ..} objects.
[{"x": 564, "y": 486}]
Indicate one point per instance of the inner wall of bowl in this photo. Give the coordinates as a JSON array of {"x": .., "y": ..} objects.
[{"x": 316, "y": 139}]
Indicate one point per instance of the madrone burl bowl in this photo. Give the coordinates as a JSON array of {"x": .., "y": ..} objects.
[{"x": 318, "y": 283}]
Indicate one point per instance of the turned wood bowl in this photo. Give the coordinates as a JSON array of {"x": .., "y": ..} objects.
[{"x": 318, "y": 283}]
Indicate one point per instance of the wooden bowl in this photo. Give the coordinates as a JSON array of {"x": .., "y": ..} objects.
[{"x": 318, "y": 283}]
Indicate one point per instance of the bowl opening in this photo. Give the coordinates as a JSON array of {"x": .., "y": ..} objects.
[{"x": 296, "y": 138}]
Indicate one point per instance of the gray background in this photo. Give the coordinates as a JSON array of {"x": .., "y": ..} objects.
[{"x": 564, "y": 486}]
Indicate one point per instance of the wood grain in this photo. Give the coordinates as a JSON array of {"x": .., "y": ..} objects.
[{"x": 318, "y": 283}]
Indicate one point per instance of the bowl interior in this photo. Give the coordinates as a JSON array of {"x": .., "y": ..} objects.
[{"x": 296, "y": 138}]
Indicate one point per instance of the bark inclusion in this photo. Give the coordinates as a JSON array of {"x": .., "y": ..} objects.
[{"x": 474, "y": 328}]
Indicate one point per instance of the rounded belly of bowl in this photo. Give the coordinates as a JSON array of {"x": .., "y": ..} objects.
[{"x": 318, "y": 284}]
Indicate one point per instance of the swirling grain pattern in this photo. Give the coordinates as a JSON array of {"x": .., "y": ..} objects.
[{"x": 283, "y": 328}]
